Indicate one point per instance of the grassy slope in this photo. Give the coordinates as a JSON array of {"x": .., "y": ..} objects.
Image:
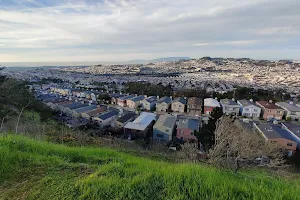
[{"x": 31, "y": 169}]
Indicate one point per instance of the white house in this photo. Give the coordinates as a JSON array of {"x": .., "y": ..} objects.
[
  {"x": 249, "y": 109},
  {"x": 230, "y": 107}
]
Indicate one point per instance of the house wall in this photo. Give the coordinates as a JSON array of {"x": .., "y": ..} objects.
[
  {"x": 194, "y": 109},
  {"x": 132, "y": 104},
  {"x": 161, "y": 135},
  {"x": 227, "y": 109},
  {"x": 162, "y": 107},
  {"x": 284, "y": 143},
  {"x": 186, "y": 134},
  {"x": 177, "y": 107},
  {"x": 272, "y": 113},
  {"x": 121, "y": 102},
  {"x": 250, "y": 111},
  {"x": 208, "y": 109}
]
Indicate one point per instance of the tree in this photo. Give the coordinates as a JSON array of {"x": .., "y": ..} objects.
[
  {"x": 236, "y": 148},
  {"x": 216, "y": 113}
]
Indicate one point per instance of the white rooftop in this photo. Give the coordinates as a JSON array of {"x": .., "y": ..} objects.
[
  {"x": 211, "y": 102},
  {"x": 142, "y": 121}
]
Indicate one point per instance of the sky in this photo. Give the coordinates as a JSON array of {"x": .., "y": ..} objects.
[{"x": 122, "y": 30}]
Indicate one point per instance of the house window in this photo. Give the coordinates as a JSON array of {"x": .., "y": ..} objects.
[
  {"x": 246, "y": 109},
  {"x": 290, "y": 144},
  {"x": 255, "y": 110},
  {"x": 278, "y": 111},
  {"x": 167, "y": 130}
]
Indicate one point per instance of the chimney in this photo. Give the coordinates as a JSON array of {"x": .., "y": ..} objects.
[
  {"x": 251, "y": 100},
  {"x": 216, "y": 98},
  {"x": 171, "y": 97},
  {"x": 157, "y": 97},
  {"x": 145, "y": 96},
  {"x": 291, "y": 103},
  {"x": 233, "y": 99},
  {"x": 270, "y": 101},
  {"x": 82, "y": 102}
]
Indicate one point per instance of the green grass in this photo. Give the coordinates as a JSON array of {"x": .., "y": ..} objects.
[{"x": 31, "y": 169}]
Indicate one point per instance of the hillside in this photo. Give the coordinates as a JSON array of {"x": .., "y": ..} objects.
[{"x": 31, "y": 169}]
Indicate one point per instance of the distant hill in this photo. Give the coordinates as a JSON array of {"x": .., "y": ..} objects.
[
  {"x": 32, "y": 169},
  {"x": 167, "y": 59}
]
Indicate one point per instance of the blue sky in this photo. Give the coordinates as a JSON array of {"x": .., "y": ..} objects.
[{"x": 120, "y": 30}]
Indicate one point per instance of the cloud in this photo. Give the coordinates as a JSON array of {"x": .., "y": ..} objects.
[
  {"x": 241, "y": 42},
  {"x": 114, "y": 29}
]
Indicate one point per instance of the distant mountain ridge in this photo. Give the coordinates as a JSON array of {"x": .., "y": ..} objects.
[{"x": 166, "y": 59}]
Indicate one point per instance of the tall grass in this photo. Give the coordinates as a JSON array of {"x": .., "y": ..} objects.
[{"x": 31, "y": 169}]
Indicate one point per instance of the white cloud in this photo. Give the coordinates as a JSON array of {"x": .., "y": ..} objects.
[{"x": 147, "y": 28}]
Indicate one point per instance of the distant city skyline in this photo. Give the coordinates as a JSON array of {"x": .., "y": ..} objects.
[{"x": 88, "y": 31}]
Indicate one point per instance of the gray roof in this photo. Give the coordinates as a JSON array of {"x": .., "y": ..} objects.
[
  {"x": 245, "y": 102},
  {"x": 273, "y": 131},
  {"x": 166, "y": 121},
  {"x": 151, "y": 99},
  {"x": 289, "y": 107},
  {"x": 164, "y": 100},
  {"x": 138, "y": 98},
  {"x": 85, "y": 109},
  {"x": 126, "y": 117},
  {"x": 75, "y": 105},
  {"x": 126, "y": 97},
  {"x": 228, "y": 102},
  {"x": 180, "y": 99},
  {"x": 294, "y": 128},
  {"x": 192, "y": 124},
  {"x": 108, "y": 115}
]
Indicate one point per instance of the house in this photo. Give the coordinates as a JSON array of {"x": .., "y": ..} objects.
[
  {"x": 141, "y": 126},
  {"x": 230, "y": 107},
  {"x": 76, "y": 113},
  {"x": 163, "y": 104},
  {"x": 149, "y": 103},
  {"x": 290, "y": 110},
  {"x": 276, "y": 134},
  {"x": 135, "y": 102},
  {"x": 106, "y": 118},
  {"x": 294, "y": 130},
  {"x": 194, "y": 106},
  {"x": 164, "y": 128},
  {"x": 186, "y": 128},
  {"x": 67, "y": 108},
  {"x": 95, "y": 112},
  {"x": 249, "y": 109},
  {"x": 122, "y": 121},
  {"x": 210, "y": 104},
  {"x": 270, "y": 110},
  {"x": 114, "y": 98},
  {"x": 178, "y": 104},
  {"x": 121, "y": 101}
]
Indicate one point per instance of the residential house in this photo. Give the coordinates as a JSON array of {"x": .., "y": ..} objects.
[
  {"x": 135, "y": 102},
  {"x": 276, "y": 134},
  {"x": 149, "y": 103},
  {"x": 114, "y": 98},
  {"x": 186, "y": 128},
  {"x": 230, "y": 107},
  {"x": 164, "y": 128},
  {"x": 142, "y": 126},
  {"x": 294, "y": 130},
  {"x": 95, "y": 112},
  {"x": 178, "y": 104},
  {"x": 270, "y": 110},
  {"x": 67, "y": 108},
  {"x": 106, "y": 118},
  {"x": 76, "y": 113},
  {"x": 249, "y": 109},
  {"x": 210, "y": 104},
  {"x": 163, "y": 104},
  {"x": 122, "y": 121},
  {"x": 290, "y": 110},
  {"x": 194, "y": 106},
  {"x": 121, "y": 101}
]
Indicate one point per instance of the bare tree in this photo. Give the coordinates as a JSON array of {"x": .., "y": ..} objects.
[
  {"x": 236, "y": 148},
  {"x": 189, "y": 152},
  {"x": 20, "y": 114}
]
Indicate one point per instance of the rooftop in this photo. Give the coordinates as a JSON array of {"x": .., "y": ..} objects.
[
  {"x": 245, "y": 102},
  {"x": 137, "y": 98},
  {"x": 273, "y": 131},
  {"x": 164, "y": 100},
  {"x": 294, "y": 128},
  {"x": 126, "y": 97},
  {"x": 188, "y": 123},
  {"x": 142, "y": 121},
  {"x": 108, "y": 115},
  {"x": 166, "y": 121},
  {"x": 288, "y": 106},
  {"x": 211, "y": 102},
  {"x": 126, "y": 117},
  {"x": 267, "y": 105},
  {"x": 194, "y": 101},
  {"x": 180, "y": 99},
  {"x": 85, "y": 109}
]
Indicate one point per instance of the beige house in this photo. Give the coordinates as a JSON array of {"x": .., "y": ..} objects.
[
  {"x": 163, "y": 104},
  {"x": 178, "y": 105}
]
